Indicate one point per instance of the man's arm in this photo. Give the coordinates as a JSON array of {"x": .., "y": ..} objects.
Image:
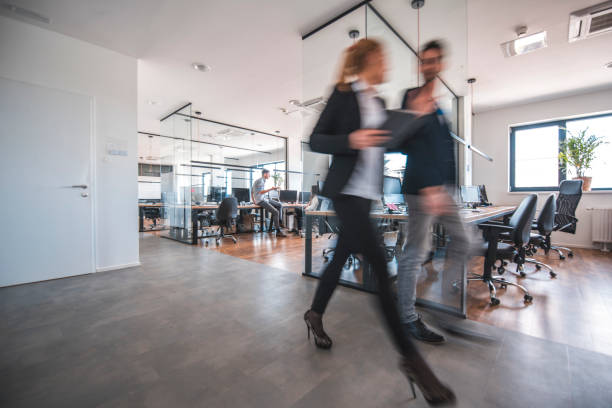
[{"x": 268, "y": 190}]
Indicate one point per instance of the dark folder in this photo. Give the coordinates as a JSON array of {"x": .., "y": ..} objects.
[{"x": 403, "y": 125}]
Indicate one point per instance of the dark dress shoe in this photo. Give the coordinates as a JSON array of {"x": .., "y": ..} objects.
[{"x": 420, "y": 331}]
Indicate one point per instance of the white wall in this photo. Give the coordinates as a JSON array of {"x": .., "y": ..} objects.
[
  {"x": 491, "y": 135},
  {"x": 34, "y": 55}
]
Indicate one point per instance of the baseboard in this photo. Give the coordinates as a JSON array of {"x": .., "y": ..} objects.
[{"x": 115, "y": 267}]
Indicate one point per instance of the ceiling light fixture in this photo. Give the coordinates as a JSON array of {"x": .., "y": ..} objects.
[
  {"x": 200, "y": 67},
  {"x": 608, "y": 65},
  {"x": 417, "y": 4},
  {"x": 524, "y": 43}
]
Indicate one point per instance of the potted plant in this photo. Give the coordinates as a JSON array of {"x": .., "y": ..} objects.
[
  {"x": 278, "y": 179},
  {"x": 578, "y": 152}
]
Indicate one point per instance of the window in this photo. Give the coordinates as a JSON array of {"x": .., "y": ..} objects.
[{"x": 534, "y": 154}]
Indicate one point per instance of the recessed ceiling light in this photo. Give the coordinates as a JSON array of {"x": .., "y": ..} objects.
[
  {"x": 153, "y": 102},
  {"x": 200, "y": 67},
  {"x": 608, "y": 65},
  {"x": 524, "y": 43},
  {"x": 277, "y": 131}
]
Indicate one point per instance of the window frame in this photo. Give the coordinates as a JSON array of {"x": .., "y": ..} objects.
[{"x": 562, "y": 124}]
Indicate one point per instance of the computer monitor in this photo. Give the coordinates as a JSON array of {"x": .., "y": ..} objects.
[
  {"x": 392, "y": 185},
  {"x": 217, "y": 194},
  {"x": 470, "y": 194},
  {"x": 304, "y": 197},
  {"x": 241, "y": 194},
  {"x": 288, "y": 196},
  {"x": 394, "y": 199}
]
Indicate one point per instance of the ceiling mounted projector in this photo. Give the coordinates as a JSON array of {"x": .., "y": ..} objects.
[{"x": 524, "y": 43}]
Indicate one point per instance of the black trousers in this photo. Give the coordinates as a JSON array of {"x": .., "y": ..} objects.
[{"x": 358, "y": 235}]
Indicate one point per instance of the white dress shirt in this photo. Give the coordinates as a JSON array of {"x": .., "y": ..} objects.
[{"x": 366, "y": 179}]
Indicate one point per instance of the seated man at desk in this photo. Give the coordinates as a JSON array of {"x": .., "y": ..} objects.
[{"x": 260, "y": 197}]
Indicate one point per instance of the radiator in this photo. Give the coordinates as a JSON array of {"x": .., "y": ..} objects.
[{"x": 601, "y": 225}]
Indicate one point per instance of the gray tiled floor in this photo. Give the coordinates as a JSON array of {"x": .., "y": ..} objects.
[{"x": 197, "y": 328}]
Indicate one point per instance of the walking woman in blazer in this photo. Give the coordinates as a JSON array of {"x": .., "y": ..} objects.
[{"x": 347, "y": 130}]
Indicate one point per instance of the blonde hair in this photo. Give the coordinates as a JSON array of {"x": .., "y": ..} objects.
[{"x": 355, "y": 58}]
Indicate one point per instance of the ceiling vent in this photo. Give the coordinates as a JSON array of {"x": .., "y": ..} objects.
[
  {"x": 590, "y": 21},
  {"x": 315, "y": 105}
]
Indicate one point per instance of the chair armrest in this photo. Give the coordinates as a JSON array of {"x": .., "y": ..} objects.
[
  {"x": 495, "y": 227},
  {"x": 496, "y": 222}
]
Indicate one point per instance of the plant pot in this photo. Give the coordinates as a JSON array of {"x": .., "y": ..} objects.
[{"x": 586, "y": 182}]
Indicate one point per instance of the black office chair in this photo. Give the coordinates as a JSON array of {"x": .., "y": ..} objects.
[
  {"x": 570, "y": 193},
  {"x": 226, "y": 218},
  {"x": 544, "y": 225},
  {"x": 153, "y": 214},
  {"x": 206, "y": 220},
  {"x": 519, "y": 227}
]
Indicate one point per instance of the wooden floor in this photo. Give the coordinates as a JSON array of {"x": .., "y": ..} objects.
[{"x": 575, "y": 308}]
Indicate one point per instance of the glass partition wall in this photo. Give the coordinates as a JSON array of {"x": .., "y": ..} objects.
[
  {"x": 322, "y": 51},
  {"x": 204, "y": 161}
]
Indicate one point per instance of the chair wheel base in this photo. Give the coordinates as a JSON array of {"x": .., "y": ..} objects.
[
  {"x": 562, "y": 257},
  {"x": 571, "y": 254},
  {"x": 538, "y": 267},
  {"x": 552, "y": 274},
  {"x": 523, "y": 274},
  {"x": 528, "y": 298},
  {"x": 494, "y": 301}
]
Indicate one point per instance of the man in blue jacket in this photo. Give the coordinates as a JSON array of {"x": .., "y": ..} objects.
[{"x": 428, "y": 186}]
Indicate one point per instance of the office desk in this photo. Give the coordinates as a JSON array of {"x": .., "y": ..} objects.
[
  {"x": 211, "y": 207},
  {"x": 364, "y": 279},
  {"x": 141, "y": 214}
]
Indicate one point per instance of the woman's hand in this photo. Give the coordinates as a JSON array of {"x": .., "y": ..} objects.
[{"x": 363, "y": 138}]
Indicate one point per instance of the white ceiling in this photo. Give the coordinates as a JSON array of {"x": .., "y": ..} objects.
[
  {"x": 561, "y": 69},
  {"x": 255, "y": 50}
]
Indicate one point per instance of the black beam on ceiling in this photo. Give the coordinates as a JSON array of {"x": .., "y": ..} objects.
[
  {"x": 176, "y": 111},
  {"x": 333, "y": 20},
  {"x": 208, "y": 143}
]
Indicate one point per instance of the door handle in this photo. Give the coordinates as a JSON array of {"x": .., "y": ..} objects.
[{"x": 83, "y": 186}]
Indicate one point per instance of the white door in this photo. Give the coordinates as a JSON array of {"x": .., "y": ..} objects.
[{"x": 45, "y": 179}]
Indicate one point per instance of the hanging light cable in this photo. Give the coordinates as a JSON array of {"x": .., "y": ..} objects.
[{"x": 418, "y": 45}]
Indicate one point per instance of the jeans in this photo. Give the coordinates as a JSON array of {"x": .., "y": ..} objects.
[
  {"x": 417, "y": 247},
  {"x": 275, "y": 209},
  {"x": 359, "y": 236}
]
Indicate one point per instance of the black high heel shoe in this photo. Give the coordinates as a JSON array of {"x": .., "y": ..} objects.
[
  {"x": 434, "y": 392},
  {"x": 314, "y": 324}
]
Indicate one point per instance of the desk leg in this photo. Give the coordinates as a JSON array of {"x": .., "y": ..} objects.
[
  {"x": 141, "y": 219},
  {"x": 308, "y": 246},
  {"x": 194, "y": 228},
  {"x": 262, "y": 222}
]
